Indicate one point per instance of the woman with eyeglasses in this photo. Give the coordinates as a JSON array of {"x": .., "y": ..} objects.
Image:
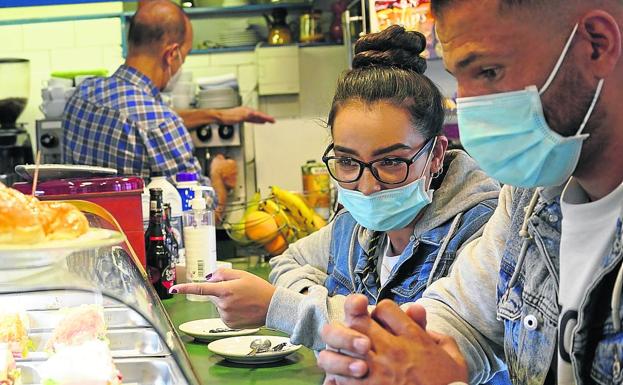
[{"x": 409, "y": 206}]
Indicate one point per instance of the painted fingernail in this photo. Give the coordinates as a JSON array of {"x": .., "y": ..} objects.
[
  {"x": 357, "y": 368},
  {"x": 173, "y": 291},
  {"x": 208, "y": 277},
  {"x": 362, "y": 345}
]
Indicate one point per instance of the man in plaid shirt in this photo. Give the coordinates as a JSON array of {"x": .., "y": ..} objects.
[{"x": 122, "y": 121}]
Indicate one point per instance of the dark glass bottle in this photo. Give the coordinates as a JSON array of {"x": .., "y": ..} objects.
[
  {"x": 160, "y": 264},
  {"x": 171, "y": 240}
]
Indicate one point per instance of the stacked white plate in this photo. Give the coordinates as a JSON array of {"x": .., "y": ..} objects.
[
  {"x": 218, "y": 98},
  {"x": 238, "y": 38}
]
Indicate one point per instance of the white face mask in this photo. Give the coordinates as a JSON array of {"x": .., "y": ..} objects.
[{"x": 174, "y": 78}]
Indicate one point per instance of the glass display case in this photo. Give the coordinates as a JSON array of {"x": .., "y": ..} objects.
[{"x": 41, "y": 282}]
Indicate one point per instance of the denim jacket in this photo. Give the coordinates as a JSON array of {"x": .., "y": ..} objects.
[
  {"x": 528, "y": 305},
  {"x": 501, "y": 299},
  {"x": 327, "y": 264},
  {"x": 425, "y": 259}
]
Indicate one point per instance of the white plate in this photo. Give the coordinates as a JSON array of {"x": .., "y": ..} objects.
[
  {"x": 60, "y": 171},
  {"x": 26, "y": 256},
  {"x": 200, "y": 329},
  {"x": 235, "y": 349}
]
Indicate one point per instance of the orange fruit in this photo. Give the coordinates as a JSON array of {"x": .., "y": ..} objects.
[
  {"x": 260, "y": 227},
  {"x": 277, "y": 245}
]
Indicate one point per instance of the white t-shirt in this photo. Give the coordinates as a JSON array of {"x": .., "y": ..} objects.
[
  {"x": 388, "y": 262},
  {"x": 586, "y": 236}
]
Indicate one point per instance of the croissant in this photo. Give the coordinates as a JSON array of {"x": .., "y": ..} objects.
[
  {"x": 24, "y": 219},
  {"x": 19, "y": 222}
]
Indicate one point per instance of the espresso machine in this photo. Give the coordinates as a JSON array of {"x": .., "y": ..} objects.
[
  {"x": 15, "y": 144},
  {"x": 228, "y": 140}
]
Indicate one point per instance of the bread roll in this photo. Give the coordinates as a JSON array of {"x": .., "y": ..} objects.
[
  {"x": 62, "y": 221},
  {"x": 18, "y": 218}
]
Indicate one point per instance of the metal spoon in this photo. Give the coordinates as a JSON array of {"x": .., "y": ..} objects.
[
  {"x": 258, "y": 345},
  {"x": 279, "y": 347}
]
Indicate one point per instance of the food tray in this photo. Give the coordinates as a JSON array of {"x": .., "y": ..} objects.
[
  {"x": 123, "y": 344},
  {"x": 135, "y": 371},
  {"x": 115, "y": 318},
  {"x": 53, "y": 300}
]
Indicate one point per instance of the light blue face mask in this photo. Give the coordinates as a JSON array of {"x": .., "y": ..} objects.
[
  {"x": 390, "y": 209},
  {"x": 508, "y": 136}
]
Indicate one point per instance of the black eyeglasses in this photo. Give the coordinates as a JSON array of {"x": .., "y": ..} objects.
[{"x": 389, "y": 170}]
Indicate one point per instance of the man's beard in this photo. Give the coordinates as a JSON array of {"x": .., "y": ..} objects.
[{"x": 565, "y": 105}]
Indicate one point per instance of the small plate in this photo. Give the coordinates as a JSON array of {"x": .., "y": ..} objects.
[
  {"x": 200, "y": 329},
  {"x": 62, "y": 171},
  {"x": 24, "y": 256},
  {"x": 235, "y": 349}
]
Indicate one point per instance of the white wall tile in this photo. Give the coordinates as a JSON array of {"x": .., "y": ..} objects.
[
  {"x": 236, "y": 58},
  {"x": 12, "y": 38},
  {"x": 213, "y": 71},
  {"x": 113, "y": 58},
  {"x": 99, "y": 32},
  {"x": 71, "y": 59},
  {"x": 39, "y": 60},
  {"x": 49, "y": 35},
  {"x": 247, "y": 77},
  {"x": 197, "y": 61}
]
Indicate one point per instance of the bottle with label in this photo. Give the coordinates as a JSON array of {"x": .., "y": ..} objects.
[
  {"x": 172, "y": 197},
  {"x": 160, "y": 264},
  {"x": 317, "y": 187},
  {"x": 200, "y": 239},
  {"x": 170, "y": 239}
]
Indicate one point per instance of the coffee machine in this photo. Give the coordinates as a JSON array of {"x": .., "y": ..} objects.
[
  {"x": 15, "y": 144},
  {"x": 233, "y": 141}
]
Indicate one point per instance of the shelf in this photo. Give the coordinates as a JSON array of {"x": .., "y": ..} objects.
[
  {"x": 248, "y": 8},
  {"x": 59, "y": 19},
  {"x": 250, "y": 48}
]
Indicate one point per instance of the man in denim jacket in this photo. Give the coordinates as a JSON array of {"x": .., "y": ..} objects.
[{"x": 541, "y": 289}]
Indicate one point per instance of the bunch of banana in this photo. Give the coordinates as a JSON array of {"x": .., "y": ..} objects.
[
  {"x": 286, "y": 227},
  {"x": 296, "y": 206}
]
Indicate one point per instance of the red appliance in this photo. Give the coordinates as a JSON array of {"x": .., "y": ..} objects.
[{"x": 121, "y": 196}]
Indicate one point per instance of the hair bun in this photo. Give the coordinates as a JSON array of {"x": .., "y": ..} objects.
[{"x": 393, "y": 47}]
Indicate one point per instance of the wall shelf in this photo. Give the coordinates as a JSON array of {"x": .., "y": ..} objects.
[
  {"x": 250, "y": 48},
  {"x": 249, "y": 8}
]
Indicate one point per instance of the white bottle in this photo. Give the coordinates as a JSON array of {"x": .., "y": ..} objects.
[
  {"x": 199, "y": 239},
  {"x": 172, "y": 197}
]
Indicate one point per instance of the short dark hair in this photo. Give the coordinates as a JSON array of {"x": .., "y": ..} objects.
[
  {"x": 146, "y": 32},
  {"x": 388, "y": 67}
]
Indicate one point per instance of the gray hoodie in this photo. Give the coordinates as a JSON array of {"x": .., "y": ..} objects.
[{"x": 303, "y": 267}]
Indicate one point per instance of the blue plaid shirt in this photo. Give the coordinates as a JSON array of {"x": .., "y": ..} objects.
[{"x": 121, "y": 122}]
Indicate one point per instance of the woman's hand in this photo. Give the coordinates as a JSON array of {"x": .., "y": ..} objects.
[{"x": 242, "y": 298}]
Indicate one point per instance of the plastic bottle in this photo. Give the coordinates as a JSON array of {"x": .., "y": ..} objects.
[
  {"x": 172, "y": 197},
  {"x": 200, "y": 240},
  {"x": 185, "y": 181}
]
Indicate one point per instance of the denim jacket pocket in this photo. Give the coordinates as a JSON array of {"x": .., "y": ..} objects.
[
  {"x": 408, "y": 289},
  {"x": 338, "y": 284},
  {"x": 510, "y": 305},
  {"x": 607, "y": 365}
]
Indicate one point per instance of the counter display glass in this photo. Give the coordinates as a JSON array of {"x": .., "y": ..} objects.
[{"x": 139, "y": 333}]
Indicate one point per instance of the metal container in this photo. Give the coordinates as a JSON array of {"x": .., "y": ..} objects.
[
  {"x": 123, "y": 343},
  {"x": 115, "y": 318},
  {"x": 135, "y": 371},
  {"x": 310, "y": 28}
]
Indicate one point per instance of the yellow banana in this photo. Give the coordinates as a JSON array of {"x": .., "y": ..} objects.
[
  {"x": 318, "y": 221},
  {"x": 297, "y": 207},
  {"x": 271, "y": 207}
]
